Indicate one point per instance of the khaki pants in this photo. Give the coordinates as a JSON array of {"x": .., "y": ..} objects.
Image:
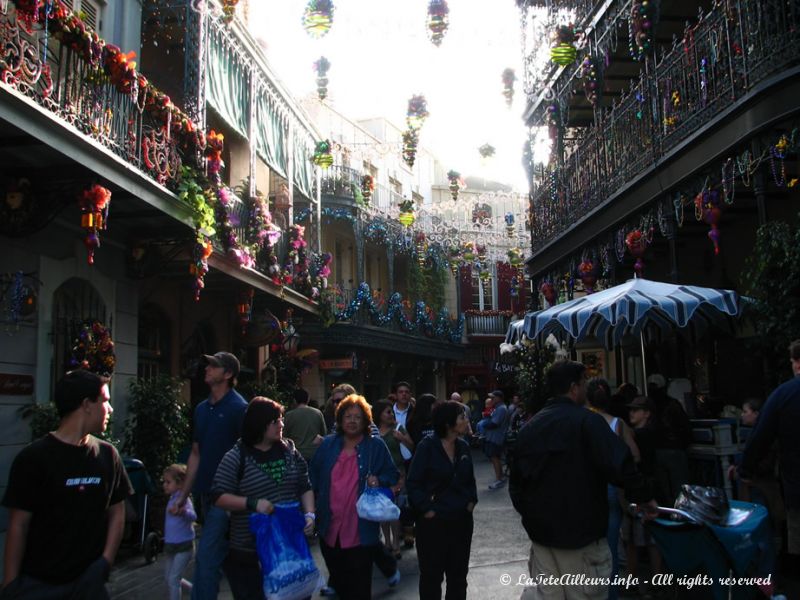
[{"x": 593, "y": 560}]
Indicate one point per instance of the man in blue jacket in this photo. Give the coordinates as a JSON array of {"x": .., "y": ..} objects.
[{"x": 780, "y": 419}]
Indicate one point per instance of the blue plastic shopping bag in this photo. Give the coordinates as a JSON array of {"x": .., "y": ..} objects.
[
  {"x": 286, "y": 564},
  {"x": 377, "y": 504}
]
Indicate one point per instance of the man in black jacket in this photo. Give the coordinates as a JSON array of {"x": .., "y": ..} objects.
[{"x": 564, "y": 460}]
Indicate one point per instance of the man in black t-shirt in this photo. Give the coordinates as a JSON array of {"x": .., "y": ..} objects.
[{"x": 65, "y": 501}]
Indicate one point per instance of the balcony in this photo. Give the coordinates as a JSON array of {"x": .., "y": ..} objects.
[
  {"x": 718, "y": 67},
  {"x": 487, "y": 322}
]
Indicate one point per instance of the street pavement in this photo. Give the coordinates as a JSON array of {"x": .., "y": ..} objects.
[{"x": 499, "y": 546}]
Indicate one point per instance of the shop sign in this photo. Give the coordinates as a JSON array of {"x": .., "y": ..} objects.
[
  {"x": 16, "y": 384},
  {"x": 504, "y": 368},
  {"x": 337, "y": 364}
]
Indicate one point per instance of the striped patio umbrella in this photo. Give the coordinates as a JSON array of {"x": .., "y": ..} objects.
[{"x": 634, "y": 308}]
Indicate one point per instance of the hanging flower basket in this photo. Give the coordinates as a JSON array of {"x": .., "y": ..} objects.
[
  {"x": 322, "y": 155},
  {"x": 453, "y": 177},
  {"x": 417, "y": 112},
  {"x": 318, "y": 18},
  {"x": 321, "y": 67},
  {"x": 438, "y": 21},
  {"x": 637, "y": 244}
]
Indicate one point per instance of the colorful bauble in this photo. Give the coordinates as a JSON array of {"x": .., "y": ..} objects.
[
  {"x": 511, "y": 228},
  {"x": 322, "y": 154},
  {"x": 636, "y": 243},
  {"x": 515, "y": 257},
  {"x": 417, "y": 112},
  {"x": 708, "y": 207},
  {"x": 410, "y": 143},
  {"x": 508, "y": 77},
  {"x": 438, "y": 21},
  {"x": 588, "y": 275},
  {"x": 454, "y": 177},
  {"x": 563, "y": 51},
  {"x": 321, "y": 67},
  {"x": 318, "y": 18}
]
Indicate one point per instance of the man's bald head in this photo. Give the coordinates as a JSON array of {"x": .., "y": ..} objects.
[{"x": 455, "y": 397}]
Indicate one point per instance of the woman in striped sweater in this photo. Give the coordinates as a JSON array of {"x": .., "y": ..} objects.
[{"x": 273, "y": 472}]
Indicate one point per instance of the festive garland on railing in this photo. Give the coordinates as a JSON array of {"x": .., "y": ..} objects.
[
  {"x": 331, "y": 214},
  {"x": 441, "y": 327}
]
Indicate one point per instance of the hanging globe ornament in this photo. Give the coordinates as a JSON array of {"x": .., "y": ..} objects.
[
  {"x": 318, "y": 18},
  {"x": 438, "y": 21},
  {"x": 563, "y": 51},
  {"x": 637, "y": 244},
  {"x": 508, "y": 77},
  {"x": 321, "y": 67},
  {"x": 322, "y": 154},
  {"x": 453, "y": 177},
  {"x": 406, "y": 216},
  {"x": 410, "y": 143},
  {"x": 367, "y": 186},
  {"x": 511, "y": 228},
  {"x": 417, "y": 112}
]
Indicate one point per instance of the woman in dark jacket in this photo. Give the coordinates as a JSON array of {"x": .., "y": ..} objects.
[
  {"x": 441, "y": 488},
  {"x": 420, "y": 423}
]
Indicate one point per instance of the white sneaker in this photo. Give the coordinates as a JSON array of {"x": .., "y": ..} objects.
[{"x": 496, "y": 485}]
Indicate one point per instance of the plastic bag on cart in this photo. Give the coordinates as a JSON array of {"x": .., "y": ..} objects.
[
  {"x": 286, "y": 564},
  {"x": 708, "y": 505}
]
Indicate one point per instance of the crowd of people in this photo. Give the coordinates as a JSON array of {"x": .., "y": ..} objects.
[{"x": 574, "y": 469}]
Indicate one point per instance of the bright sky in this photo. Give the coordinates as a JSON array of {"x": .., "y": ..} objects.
[{"x": 380, "y": 56}]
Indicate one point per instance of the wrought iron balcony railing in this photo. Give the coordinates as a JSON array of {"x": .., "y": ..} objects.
[
  {"x": 720, "y": 59},
  {"x": 60, "y": 79},
  {"x": 487, "y": 322}
]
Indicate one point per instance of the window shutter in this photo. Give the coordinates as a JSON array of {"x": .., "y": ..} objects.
[{"x": 90, "y": 10}]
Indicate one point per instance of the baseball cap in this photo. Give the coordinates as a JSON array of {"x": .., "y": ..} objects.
[
  {"x": 643, "y": 403},
  {"x": 657, "y": 380},
  {"x": 226, "y": 360}
]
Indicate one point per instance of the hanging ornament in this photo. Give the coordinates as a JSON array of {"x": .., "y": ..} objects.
[
  {"x": 592, "y": 79},
  {"x": 410, "y": 143},
  {"x": 641, "y": 27},
  {"x": 438, "y": 22},
  {"x": 509, "y": 77},
  {"x": 321, "y": 66},
  {"x": 215, "y": 143},
  {"x": 637, "y": 244},
  {"x": 588, "y": 275},
  {"x": 93, "y": 350},
  {"x": 198, "y": 268},
  {"x": 417, "y": 112},
  {"x": 515, "y": 257},
  {"x": 468, "y": 251},
  {"x": 563, "y": 51},
  {"x": 325, "y": 260},
  {"x": 453, "y": 177},
  {"x": 318, "y": 18},
  {"x": 406, "y": 216},
  {"x": 229, "y": 10},
  {"x": 421, "y": 248},
  {"x": 708, "y": 208},
  {"x": 322, "y": 154},
  {"x": 94, "y": 215},
  {"x": 455, "y": 260},
  {"x": 480, "y": 250},
  {"x": 548, "y": 290},
  {"x": 486, "y": 151},
  {"x": 367, "y": 187},
  {"x": 244, "y": 309},
  {"x": 510, "y": 227}
]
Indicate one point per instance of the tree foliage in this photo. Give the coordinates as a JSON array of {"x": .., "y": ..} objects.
[
  {"x": 771, "y": 278},
  {"x": 157, "y": 427}
]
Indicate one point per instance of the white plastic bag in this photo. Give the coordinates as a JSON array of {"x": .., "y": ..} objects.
[{"x": 377, "y": 504}]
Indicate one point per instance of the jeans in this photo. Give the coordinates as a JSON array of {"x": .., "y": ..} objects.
[
  {"x": 174, "y": 566},
  {"x": 350, "y": 570},
  {"x": 211, "y": 552},
  {"x": 614, "y": 523}
]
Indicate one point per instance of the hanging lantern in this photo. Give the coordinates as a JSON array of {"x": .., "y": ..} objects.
[
  {"x": 637, "y": 244},
  {"x": 321, "y": 67},
  {"x": 707, "y": 208},
  {"x": 588, "y": 275},
  {"x": 322, "y": 154},
  {"x": 563, "y": 51},
  {"x": 94, "y": 216},
  {"x": 508, "y": 77},
  {"x": 469, "y": 251},
  {"x": 244, "y": 309},
  {"x": 410, "y": 143},
  {"x": 318, "y": 18},
  {"x": 417, "y": 112},
  {"x": 438, "y": 21},
  {"x": 515, "y": 257},
  {"x": 453, "y": 177},
  {"x": 406, "y": 216},
  {"x": 229, "y": 10},
  {"x": 511, "y": 229},
  {"x": 367, "y": 186}
]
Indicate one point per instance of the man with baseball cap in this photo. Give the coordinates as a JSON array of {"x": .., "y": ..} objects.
[{"x": 217, "y": 426}]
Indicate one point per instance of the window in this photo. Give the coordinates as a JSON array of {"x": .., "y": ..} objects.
[
  {"x": 153, "y": 342},
  {"x": 90, "y": 12},
  {"x": 396, "y": 186},
  {"x": 482, "y": 297}
]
